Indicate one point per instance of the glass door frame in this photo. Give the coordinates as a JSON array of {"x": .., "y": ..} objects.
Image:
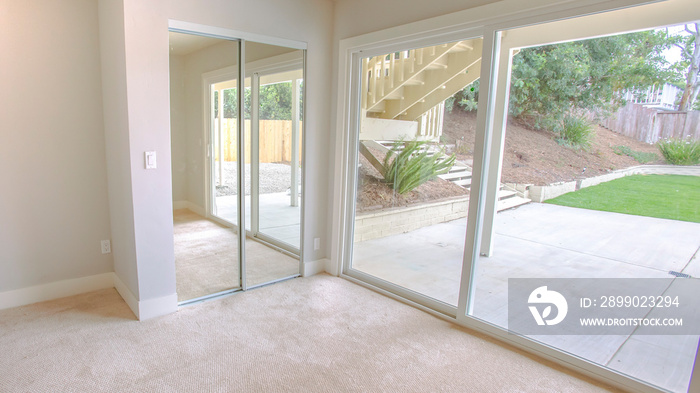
[
  {"x": 256, "y": 70},
  {"x": 491, "y": 110},
  {"x": 208, "y": 145}
]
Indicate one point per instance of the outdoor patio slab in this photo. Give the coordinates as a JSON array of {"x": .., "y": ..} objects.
[
  {"x": 665, "y": 361},
  {"x": 693, "y": 267},
  {"x": 542, "y": 240},
  {"x": 278, "y": 219},
  {"x": 644, "y": 241},
  {"x": 427, "y": 260}
]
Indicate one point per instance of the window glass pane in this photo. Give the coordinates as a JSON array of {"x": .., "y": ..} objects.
[
  {"x": 610, "y": 234},
  {"x": 415, "y": 162}
]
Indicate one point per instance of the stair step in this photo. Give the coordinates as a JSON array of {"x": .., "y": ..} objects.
[
  {"x": 463, "y": 182},
  {"x": 456, "y": 168},
  {"x": 510, "y": 203},
  {"x": 396, "y": 95},
  {"x": 505, "y": 194},
  {"x": 456, "y": 175}
]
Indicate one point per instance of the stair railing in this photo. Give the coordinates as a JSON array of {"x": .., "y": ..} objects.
[{"x": 430, "y": 126}]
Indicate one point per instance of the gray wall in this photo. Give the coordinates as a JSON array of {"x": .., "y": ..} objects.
[{"x": 53, "y": 199}]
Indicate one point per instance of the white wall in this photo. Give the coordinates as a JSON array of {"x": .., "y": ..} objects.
[
  {"x": 212, "y": 58},
  {"x": 178, "y": 135},
  {"x": 116, "y": 125},
  {"x": 53, "y": 191}
]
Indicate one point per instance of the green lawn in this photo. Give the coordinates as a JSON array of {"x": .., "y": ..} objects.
[{"x": 662, "y": 196}]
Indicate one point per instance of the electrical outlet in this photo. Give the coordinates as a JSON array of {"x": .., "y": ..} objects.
[
  {"x": 317, "y": 243},
  {"x": 106, "y": 246}
]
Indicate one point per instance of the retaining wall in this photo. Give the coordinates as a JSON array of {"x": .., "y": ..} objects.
[
  {"x": 405, "y": 219},
  {"x": 542, "y": 193}
]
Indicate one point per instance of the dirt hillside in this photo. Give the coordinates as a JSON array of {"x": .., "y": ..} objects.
[{"x": 534, "y": 157}]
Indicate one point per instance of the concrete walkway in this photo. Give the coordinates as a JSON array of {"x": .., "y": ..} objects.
[{"x": 541, "y": 240}]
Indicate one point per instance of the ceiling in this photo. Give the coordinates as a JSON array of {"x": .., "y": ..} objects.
[{"x": 184, "y": 44}]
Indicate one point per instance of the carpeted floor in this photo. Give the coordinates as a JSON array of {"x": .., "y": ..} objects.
[
  {"x": 206, "y": 258},
  {"x": 316, "y": 334}
]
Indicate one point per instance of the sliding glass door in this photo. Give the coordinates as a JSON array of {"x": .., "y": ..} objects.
[
  {"x": 452, "y": 195},
  {"x": 414, "y": 171},
  {"x": 601, "y": 265}
]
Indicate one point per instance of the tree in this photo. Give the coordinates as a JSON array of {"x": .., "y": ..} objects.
[
  {"x": 691, "y": 53},
  {"x": 552, "y": 81},
  {"x": 275, "y": 102}
]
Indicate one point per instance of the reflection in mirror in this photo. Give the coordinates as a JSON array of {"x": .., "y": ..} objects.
[
  {"x": 205, "y": 140},
  {"x": 274, "y": 99},
  {"x": 205, "y": 237}
]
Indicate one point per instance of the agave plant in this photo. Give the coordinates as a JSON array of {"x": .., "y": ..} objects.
[{"x": 407, "y": 165}]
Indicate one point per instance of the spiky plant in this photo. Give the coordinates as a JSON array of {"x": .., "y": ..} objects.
[{"x": 407, "y": 165}]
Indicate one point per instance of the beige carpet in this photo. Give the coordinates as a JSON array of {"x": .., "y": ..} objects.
[
  {"x": 317, "y": 334},
  {"x": 206, "y": 258}
]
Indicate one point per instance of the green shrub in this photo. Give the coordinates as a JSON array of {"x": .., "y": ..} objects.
[
  {"x": 639, "y": 156},
  {"x": 407, "y": 168},
  {"x": 680, "y": 151},
  {"x": 575, "y": 131}
]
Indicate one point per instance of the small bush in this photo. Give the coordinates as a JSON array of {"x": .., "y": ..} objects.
[
  {"x": 413, "y": 166},
  {"x": 575, "y": 131},
  {"x": 680, "y": 151},
  {"x": 639, "y": 156}
]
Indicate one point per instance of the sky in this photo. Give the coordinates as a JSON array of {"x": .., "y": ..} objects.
[{"x": 673, "y": 55}]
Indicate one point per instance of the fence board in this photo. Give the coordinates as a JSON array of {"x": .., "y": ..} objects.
[
  {"x": 650, "y": 125},
  {"x": 275, "y": 140}
]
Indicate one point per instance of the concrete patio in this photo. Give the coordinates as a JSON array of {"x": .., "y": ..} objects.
[
  {"x": 541, "y": 241},
  {"x": 278, "y": 219}
]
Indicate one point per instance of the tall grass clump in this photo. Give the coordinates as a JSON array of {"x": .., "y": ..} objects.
[
  {"x": 407, "y": 165},
  {"x": 680, "y": 151},
  {"x": 575, "y": 131},
  {"x": 639, "y": 156}
]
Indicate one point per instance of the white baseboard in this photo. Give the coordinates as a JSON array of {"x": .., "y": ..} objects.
[
  {"x": 152, "y": 308},
  {"x": 189, "y": 205},
  {"x": 55, "y": 290},
  {"x": 315, "y": 267},
  {"x": 126, "y": 294},
  {"x": 143, "y": 310},
  {"x": 146, "y": 309}
]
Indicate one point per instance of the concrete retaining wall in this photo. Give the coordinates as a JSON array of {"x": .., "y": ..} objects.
[
  {"x": 542, "y": 193},
  {"x": 401, "y": 220}
]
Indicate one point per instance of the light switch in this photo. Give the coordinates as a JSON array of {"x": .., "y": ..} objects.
[{"x": 150, "y": 160}]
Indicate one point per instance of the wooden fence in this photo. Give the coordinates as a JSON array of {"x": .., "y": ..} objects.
[
  {"x": 275, "y": 140},
  {"x": 650, "y": 125}
]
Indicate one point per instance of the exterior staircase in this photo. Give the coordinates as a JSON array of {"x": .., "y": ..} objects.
[
  {"x": 405, "y": 85},
  {"x": 403, "y": 97},
  {"x": 411, "y": 86}
]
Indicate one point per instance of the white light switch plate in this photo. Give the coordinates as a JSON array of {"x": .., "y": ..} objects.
[{"x": 150, "y": 158}]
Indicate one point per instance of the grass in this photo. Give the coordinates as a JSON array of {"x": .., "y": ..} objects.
[
  {"x": 662, "y": 196},
  {"x": 639, "y": 156}
]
